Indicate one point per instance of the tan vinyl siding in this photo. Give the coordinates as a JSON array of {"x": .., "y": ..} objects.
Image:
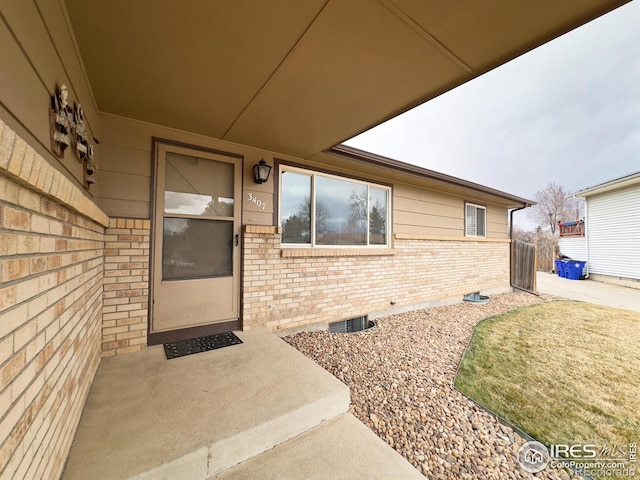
[
  {"x": 126, "y": 183},
  {"x": 411, "y": 222},
  {"x": 125, "y": 193},
  {"x": 126, "y": 160},
  {"x": 429, "y": 212},
  {"x": 127, "y": 165},
  {"x": 497, "y": 222},
  {"x": 425, "y": 212},
  {"x": 32, "y": 68},
  {"x": 125, "y": 179}
]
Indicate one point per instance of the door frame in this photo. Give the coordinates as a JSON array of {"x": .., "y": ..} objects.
[{"x": 191, "y": 332}]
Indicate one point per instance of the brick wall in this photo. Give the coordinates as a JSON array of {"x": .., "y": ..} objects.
[
  {"x": 51, "y": 270},
  {"x": 126, "y": 286},
  {"x": 287, "y": 288}
]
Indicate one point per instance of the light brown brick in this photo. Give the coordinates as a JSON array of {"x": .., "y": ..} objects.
[
  {"x": 114, "y": 345},
  {"x": 7, "y": 140},
  {"x": 8, "y": 190},
  {"x": 8, "y": 297},
  {"x": 8, "y": 243},
  {"x": 36, "y": 166},
  {"x": 14, "y": 269},
  {"x": 140, "y": 340},
  {"x": 127, "y": 335},
  {"x": 17, "y": 155},
  {"x": 9, "y": 370},
  {"x": 13, "y": 219},
  {"x": 114, "y": 330},
  {"x": 139, "y": 325},
  {"x": 38, "y": 265},
  {"x": 24, "y": 313},
  {"x": 129, "y": 349}
]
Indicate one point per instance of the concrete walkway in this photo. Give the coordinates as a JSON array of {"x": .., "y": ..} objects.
[
  {"x": 590, "y": 291},
  {"x": 191, "y": 418}
]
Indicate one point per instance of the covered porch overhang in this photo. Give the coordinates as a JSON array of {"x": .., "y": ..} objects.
[{"x": 299, "y": 77}]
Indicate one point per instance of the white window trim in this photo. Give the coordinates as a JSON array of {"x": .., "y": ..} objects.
[
  {"x": 313, "y": 173},
  {"x": 475, "y": 205}
]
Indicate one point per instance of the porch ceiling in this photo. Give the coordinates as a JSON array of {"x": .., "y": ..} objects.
[{"x": 297, "y": 77}]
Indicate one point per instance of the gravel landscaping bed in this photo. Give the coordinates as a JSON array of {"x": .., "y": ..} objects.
[{"x": 401, "y": 373}]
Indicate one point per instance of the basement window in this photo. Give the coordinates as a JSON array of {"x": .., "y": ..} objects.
[{"x": 350, "y": 326}]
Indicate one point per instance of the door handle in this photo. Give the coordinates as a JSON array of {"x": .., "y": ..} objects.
[{"x": 237, "y": 239}]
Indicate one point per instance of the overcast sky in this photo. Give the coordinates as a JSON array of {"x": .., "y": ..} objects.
[{"x": 568, "y": 111}]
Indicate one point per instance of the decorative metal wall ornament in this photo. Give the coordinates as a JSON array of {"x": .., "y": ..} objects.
[
  {"x": 89, "y": 169},
  {"x": 68, "y": 128},
  {"x": 80, "y": 137},
  {"x": 60, "y": 121}
]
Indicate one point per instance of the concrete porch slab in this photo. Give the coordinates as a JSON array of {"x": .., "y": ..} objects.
[
  {"x": 341, "y": 449},
  {"x": 192, "y": 417}
]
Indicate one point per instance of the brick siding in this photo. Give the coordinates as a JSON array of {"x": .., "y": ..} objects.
[
  {"x": 126, "y": 286},
  {"x": 51, "y": 271},
  {"x": 287, "y": 288},
  {"x": 74, "y": 286}
]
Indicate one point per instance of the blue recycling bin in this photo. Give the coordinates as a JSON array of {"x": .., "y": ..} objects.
[
  {"x": 562, "y": 269},
  {"x": 574, "y": 269},
  {"x": 559, "y": 267}
]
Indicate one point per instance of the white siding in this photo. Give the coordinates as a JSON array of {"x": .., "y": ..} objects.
[
  {"x": 573, "y": 247},
  {"x": 613, "y": 229}
]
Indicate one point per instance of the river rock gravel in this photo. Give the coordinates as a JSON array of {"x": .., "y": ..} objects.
[{"x": 401, "y": 374}]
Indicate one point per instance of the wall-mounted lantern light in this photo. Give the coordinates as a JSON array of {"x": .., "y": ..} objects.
[{"x": 261, "y": 171}]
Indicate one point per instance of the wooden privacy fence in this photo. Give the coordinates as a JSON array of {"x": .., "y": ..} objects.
[
  {"x": 546, "y": 246},
  {"x": 523, "y": 265},
  {"x": 545, "y": 257}
]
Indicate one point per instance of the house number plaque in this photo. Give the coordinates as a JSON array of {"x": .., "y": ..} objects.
[{"x": 256, "y": 201}]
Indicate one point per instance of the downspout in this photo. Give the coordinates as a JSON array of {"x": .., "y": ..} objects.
[
  {"x": 511, "y": 238},
  {"x": 586, "y": 233},
  {"x": 511, "y": 219}
]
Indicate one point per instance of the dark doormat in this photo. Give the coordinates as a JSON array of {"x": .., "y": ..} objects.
[{"x": 200, "y": 344}]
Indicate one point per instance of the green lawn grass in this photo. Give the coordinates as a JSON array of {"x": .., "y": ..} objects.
[{"x": 563, "y": 372}]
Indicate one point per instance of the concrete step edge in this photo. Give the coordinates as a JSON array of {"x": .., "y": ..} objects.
[{"x": 216, "y": 457}]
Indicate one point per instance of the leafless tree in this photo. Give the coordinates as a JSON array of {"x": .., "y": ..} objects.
[
  {"x": 553, "y": 206},
  {"x": 359, "y": 203},
  {"x": 546, "y": 247},
  {"x": 523, "y": 235},
  {"x": 322, "y": 213}
]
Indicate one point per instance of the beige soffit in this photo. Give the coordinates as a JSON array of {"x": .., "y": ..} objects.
[{"x": 298, "y": 77}]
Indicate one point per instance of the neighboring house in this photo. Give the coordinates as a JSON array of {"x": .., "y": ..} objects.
[
  {"x": 129, "y": 214},
  {"x": 609, "y": 239}
]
